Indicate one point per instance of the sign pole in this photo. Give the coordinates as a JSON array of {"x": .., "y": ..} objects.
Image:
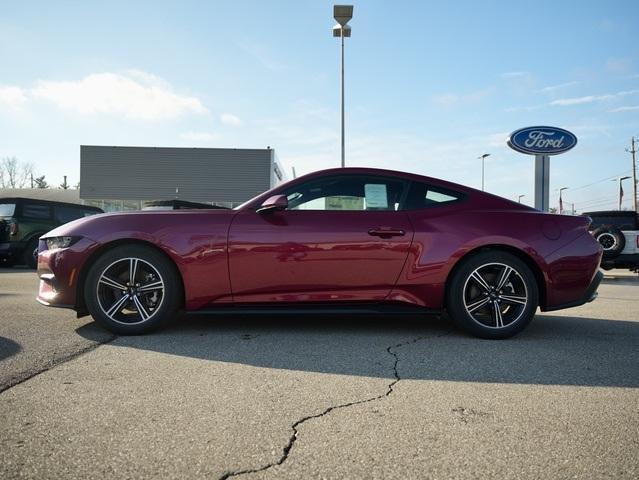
[{"x": 542, "y": 182}]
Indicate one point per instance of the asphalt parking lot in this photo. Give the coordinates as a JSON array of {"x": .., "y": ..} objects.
[{"x": 319, "y": 397}]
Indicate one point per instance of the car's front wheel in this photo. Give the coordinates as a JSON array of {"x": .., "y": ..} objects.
[
  {"x": 132, "y": 289},
  {"x": 492, "y": 294}
]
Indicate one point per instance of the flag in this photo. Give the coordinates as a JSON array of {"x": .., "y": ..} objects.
[
  {"x": 561, "y": 204},
  {"x": 620, "y": 194}
]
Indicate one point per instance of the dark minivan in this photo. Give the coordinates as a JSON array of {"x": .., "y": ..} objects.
[{"x": 24, "y": 220}]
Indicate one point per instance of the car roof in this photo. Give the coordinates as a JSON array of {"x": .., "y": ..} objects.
[{"x": 444, "y": 184}]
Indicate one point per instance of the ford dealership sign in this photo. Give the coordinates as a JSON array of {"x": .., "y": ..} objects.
[{"x": 542, "y": 140}]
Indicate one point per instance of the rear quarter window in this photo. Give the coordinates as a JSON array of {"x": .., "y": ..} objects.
[
  {"x": 36, "y": 211},
  {"x": 422, "y": 195}
]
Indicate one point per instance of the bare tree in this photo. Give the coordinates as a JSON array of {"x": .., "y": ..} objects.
[{"x": 14, "y": 174}]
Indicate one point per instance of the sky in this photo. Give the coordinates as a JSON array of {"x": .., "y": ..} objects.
[{"x": 430, "y": 85}]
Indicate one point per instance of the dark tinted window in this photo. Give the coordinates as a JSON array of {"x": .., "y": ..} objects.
[
  {"x": 622, "y": 222},
  {"x": 347, "y": 192},
  {"x": 422, "y": 195},
  {"x": 67, "y": 214},
  {"x": 34, "y": 210}
]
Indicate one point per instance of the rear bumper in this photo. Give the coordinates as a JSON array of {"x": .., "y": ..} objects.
[
  {"x": 572, "y": 274},
  {"x": 589, "y": 296},
  {"x": 624, "y": 260}
]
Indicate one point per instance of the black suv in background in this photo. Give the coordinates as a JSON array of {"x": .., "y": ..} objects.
[
  {"x": 24, "y": 220},
  {"x": 618, "y": 233}
]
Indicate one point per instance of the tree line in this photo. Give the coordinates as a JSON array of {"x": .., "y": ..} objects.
[{"x": 17, "y": 174}]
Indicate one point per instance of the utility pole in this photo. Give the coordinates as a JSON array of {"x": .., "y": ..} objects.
[
  {"x": 633, "y": 151},
  {"x": 31, "y": 175}
]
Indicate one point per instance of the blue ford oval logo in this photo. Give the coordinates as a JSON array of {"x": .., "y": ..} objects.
[{"x": 542, "y": 140}]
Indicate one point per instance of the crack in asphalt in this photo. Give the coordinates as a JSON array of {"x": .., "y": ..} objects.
[
  {"x": 29, "y": 374},
  {"x": 293, "y": 438}
]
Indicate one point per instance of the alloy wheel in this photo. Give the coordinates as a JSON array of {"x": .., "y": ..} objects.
[
  {"x": 495, "y": 295},
  {"x": 130, "y": 291}
]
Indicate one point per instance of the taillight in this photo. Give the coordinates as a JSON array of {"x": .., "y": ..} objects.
[{"x": 13, "y": 228}]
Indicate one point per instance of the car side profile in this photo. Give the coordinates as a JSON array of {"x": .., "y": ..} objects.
[{"x": 340, "y": 240}]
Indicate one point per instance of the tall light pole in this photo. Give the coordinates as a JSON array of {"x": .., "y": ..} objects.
[
  {"x": 519, "y": 198},
  {"x": 483, "y": 158},
  {"x": 621, "y": 190},
  {"x": 561, "y": 202},
  {"x": 342, "y": 14},
  {"x": 633, "y": 151}
]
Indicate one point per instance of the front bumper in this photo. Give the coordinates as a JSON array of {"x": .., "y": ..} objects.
[{"x": 60, "y": 272}]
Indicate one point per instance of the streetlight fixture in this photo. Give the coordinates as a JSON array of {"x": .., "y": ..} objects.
[
  {"x": 483, "y": 158},
  {"x": 561, "y": 202},
  {"x": 342, "y": 14},
  {"x": 621, "y": 190},
  {"x": 519, "y": 198}
]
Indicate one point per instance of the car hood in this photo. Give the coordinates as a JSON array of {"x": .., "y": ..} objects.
[{"x": 151, "y": 222}]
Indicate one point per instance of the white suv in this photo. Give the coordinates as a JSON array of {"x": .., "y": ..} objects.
[{"x": 618, "y": 233}]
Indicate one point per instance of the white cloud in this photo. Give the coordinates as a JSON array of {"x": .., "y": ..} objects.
[
  {"x": 515, "y": 75},
  {"x": 553, "y": 88},
  {"x": 12, "y": 97},
  {"x": 230, "y": 119},
  {"x": 134, "y": 94},
  {"x": 563, "y": 102},
  {"x": 200, "y": 136},
  {"x": 631, "y": 108}
]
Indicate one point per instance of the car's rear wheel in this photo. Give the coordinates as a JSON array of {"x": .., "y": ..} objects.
[
  {"x": 132, "y": 289},
  {"x": 492, "y": 294}
]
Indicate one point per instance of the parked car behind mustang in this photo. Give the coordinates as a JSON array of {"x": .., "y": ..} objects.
[
  {"x": 23, "y": 220},
  {"x": 338, "y": 240}
]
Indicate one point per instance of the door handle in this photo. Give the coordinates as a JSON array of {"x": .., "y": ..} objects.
[{"x": 386, "y": 232}]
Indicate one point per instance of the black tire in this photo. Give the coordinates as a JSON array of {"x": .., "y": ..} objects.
[
  {"x": 611, "y": 239},
  {"x": 478, "y": 308},
  {"x": 106, "y": 277},
  {"x": 30, "y": 254}
]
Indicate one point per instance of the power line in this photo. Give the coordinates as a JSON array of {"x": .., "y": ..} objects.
[{"x": 599, "y": 181}]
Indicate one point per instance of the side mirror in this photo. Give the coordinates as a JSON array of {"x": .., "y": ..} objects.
[{"x": 273, "y": 204}]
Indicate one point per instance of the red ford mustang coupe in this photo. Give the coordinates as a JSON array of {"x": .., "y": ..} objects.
[{"x": 342, "y": 240}]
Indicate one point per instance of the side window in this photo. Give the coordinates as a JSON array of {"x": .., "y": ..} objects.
[
  {"x": 67, "y": 214},
  {"x": 37, "y": 211},
  {"x": 347, "y": 192},
  {"x": 422, "y": 195}
]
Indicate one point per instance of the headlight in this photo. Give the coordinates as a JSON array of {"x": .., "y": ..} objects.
[{"x": 60, "y": 242}]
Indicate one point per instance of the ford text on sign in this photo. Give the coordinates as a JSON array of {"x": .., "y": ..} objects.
[{"x": 542, "y": 140}]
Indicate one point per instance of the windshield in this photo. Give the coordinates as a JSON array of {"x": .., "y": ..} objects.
[{"x": 7, "y": 209}]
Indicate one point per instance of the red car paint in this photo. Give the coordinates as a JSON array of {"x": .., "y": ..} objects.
[{"x": 242, "y": 257}]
